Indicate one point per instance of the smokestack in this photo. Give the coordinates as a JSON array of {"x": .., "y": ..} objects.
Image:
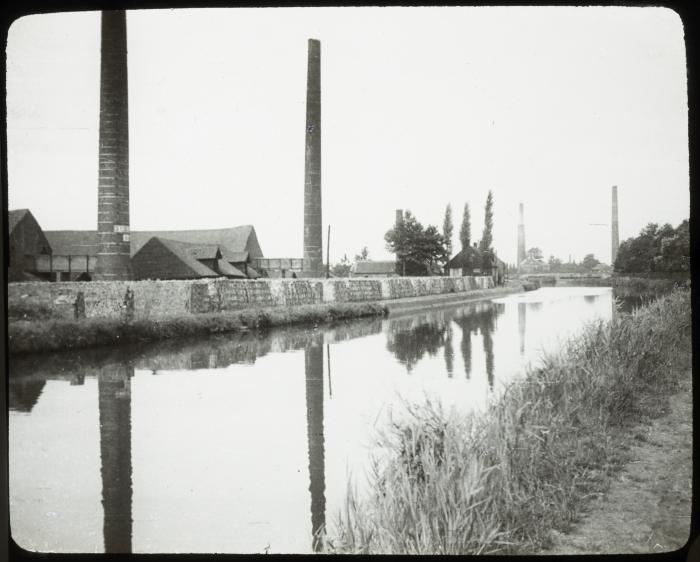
[
  {"x": 113, "y": 256},
  {"x": 399, "y": 216},
  {"x": 313, "y": 250},
  {"x": 521, "y": 235},
  {"x": 615, "y": 231}
]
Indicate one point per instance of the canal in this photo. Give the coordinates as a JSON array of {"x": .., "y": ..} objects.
[{"x": 245, "y": 443}]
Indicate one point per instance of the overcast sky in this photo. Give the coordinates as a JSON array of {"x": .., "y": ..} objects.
[{"x": 421, "y": 107}]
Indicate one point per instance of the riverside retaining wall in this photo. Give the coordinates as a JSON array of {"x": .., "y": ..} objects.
[{"x": 129, "y": 300}]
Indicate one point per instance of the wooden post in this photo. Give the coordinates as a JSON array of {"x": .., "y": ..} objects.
[{"x": 328, "y": 253}]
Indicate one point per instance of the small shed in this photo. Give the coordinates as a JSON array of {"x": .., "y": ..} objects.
[
  {"x": 466, "y": 262},
  {"x": 369, "y": 268}
]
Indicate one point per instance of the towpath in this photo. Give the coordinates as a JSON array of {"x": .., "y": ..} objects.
[{"x": 647, "y": 508}]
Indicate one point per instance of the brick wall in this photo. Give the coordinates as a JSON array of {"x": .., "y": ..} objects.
[{"x": 161, "y": 299}]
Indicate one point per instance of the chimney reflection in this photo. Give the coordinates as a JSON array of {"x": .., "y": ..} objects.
[
  {"x": 313, "y": 366},
  {"x": 114, "y": 391},
  {"x": 522, "y": 313},
  {"x": 449, "y": 351}
]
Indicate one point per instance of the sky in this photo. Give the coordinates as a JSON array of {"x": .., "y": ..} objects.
[{"x": 421, "y": 107}]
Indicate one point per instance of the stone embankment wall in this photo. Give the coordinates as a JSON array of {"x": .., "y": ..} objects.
[{"x": 128, "y": 300}]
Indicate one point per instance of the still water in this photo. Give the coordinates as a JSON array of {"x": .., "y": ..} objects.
[{"x": 244, "y": 444}]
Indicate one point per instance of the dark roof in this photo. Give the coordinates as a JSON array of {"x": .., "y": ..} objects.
[
  {"x": 13, "y": 218},
  {"x": 233, "y": 241},
  {"x": 464, "y": 258},
  {"x": 366, "y": 267},
  {"x": 181, "y": 251},
  {"x": 73, "y": 242},
  {"x": 225, "y": 268},
  {"x": 234, "y": 257}
]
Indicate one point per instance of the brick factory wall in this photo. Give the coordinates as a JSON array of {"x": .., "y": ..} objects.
[{"x": 160, "y": 299}]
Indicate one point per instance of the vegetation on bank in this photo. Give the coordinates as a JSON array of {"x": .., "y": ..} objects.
[
  {"x": 501, "y": 481},
  {"x": 40, "y": 332},
  {"x": 657, "y": 250},
  {"x": 646, "y": 286}
]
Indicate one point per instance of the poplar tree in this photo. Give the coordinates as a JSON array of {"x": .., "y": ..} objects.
[
  {"x": 447, "y": 229},
  {"x": 465, "y": 233},
  {"x": 487, "y": 237}
]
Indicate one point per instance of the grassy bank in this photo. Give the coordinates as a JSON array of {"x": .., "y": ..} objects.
[
  {"x": 500, "y": 482},
  {"x": 43, "y": 333},
  {"x": 636, "y": 286}
]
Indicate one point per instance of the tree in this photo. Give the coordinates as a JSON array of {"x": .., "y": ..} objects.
[
  {"x": 465, "y": 233},
  {"x": 656, "y": 250},
  {"x": 363, "y": 255},
  {"x": 341, "y": 269},
  {"x": 589, "y": 262},
  {"x": 535, "y": 253},
  {"x": 416, "y": 247},
  {"x": 447, "y": 229},
  {"x": 554, "y": 264},
  {"x": 487, "y": 236}
]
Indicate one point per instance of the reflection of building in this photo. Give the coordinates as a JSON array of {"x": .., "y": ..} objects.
[
  {"x": 313, "y": 366},
  {"x": 23, "y": 394},
  {"x": 114, "y": 390}
]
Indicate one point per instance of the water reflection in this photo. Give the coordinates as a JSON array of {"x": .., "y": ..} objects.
[
  {"x": 23, "y": 394},
  {"x": 114, "y": 390},
  {"x": 410, "y": 339},
  {"x": 369, "y": 369},
  {"x": 313, "y": 368}
]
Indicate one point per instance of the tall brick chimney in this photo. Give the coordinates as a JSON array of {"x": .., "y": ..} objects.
[
  {"x": 521, "y": 235},
  {"x": 113, "y": 256},
  {"x": 615, "y": 231},
  {"x": 399, "y": 216},
  {"x": 313, "y": 231}
]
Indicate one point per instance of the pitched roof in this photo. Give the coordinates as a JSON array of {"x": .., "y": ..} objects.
[
  {"x": 225, "y": 268},
  {"x": 235, "y": 239},
  {"x": 464, "y": 258},
  {"x": 181, "y": 251},
  {"x": 73, "y": 242},
  {"x": 13, "y": 218},
  {"x": 366, "y": 267},
  {"x": 232, "y": 241}
]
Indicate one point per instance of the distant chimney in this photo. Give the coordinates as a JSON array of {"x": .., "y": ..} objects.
[
  {"x": 521, "y": 235},
  {"x": 615, "y": 231},
  {"x": 313, "y": 230},
  {"x": 399, "y": 216},
  {"x": 113, "y": 256}
]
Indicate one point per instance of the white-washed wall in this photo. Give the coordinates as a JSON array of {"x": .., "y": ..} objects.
[{"x": 160, "y": 299}]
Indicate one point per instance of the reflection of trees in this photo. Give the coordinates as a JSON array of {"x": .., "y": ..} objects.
[
  {"x": 23, "y": 394},
  {"x": 482, "y": 317},
  {"x": 114, "y": 391},
  {"x": 410, "y": 345},
  {"x": 313, "y": 367},
  {"x": 449, "y": 351}
]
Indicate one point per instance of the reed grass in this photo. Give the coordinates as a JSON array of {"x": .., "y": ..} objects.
[
  {"x": 46, "y": 334},
  {"x": 501, "y": 481}
]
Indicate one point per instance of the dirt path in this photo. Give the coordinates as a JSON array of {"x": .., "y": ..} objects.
[{"x": 647, "y": 508}]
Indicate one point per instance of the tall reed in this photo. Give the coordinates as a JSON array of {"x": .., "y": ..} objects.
[{"x": 500, "y": 482}]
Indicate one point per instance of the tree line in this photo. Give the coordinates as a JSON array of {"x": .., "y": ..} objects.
[
  {"x": 424, "y": 249},
  {"x": 657, "y": 250}
]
